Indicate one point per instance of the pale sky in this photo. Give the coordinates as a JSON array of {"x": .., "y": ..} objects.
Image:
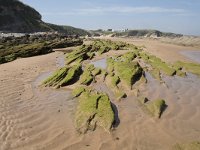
[{"x": 178, "y": 16}]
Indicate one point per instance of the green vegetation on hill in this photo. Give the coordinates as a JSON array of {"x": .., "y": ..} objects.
[
  {"x": 20, "y": 18},
  {"x": 69, "y": 30},
  {"x": 147, "y": 33}
]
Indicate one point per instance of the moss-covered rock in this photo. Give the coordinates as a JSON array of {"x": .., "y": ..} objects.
[
  {"x": 78, "y": 91},
  {"x": 187, "y": 146},
  {"x": 105, "y": 114},
  {"x": 63, "y": 76},
  {"x": 143, "y": 100},
  {"x": 94, "y": 109},
  {"x": 112, "y": 82},
  {"x": 26, "y": 46},
  {"x": 128, "y": 72},
  {"x": 156, "y": 107},
  {"x": 87, "y": 76},
  {"x": 128, "y": 56},
  {"x": 158, "y": 65},
  {"x": 110, "y": 65},
  {"x": 190, "y": 67},
  {"x": 79, "y": 54},
  {"x": 57, "y": 76},
  {"x": 73, "y": 73},
  {"x": 86, "y": 111},
  {"x": 96, "y": 71},
  {"x": 155, "y": 73}
]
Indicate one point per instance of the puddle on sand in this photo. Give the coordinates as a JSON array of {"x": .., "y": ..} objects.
[
  {"x": 60, "y": 62},
  {"x": 53, "y": 98},
  {"x": 193, "y": 55},
  {"x": 100, "y": 63},
  {"x": 173, "y": 88}
]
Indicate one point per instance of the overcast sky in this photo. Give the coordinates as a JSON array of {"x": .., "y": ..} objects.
[{"x": 179, "y": 16}]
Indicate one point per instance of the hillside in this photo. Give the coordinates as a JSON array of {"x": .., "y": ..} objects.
[
  {"x": 20, "y": 18},
  {"x": 147, "y": 33}
]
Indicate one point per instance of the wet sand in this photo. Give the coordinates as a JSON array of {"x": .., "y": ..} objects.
[
  {"x": 35, "y": 118},
  {"x": 192, "y": 55}
]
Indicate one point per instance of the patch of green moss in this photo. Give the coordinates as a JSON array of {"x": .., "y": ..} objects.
[
  {"x": 112, "y": 81},
  {"x": 93, "y": 110},
  {"x": 156, "y": 74},
  {"x": 72, "y": 73},
  {"x": 103, "y": 74},
  {"x": 110, "y": 65},
  {"x": 63, "y": 76},
  {"x": 128, "y": 56},
  {"x": 103, "y": 49},
  {"x": 75, "y": 56},
  {"x": 86, "y": 78},
  {"x": 190, "y": 67},
  {"x": 156, "y": 107},
  {"x": 57, "y": 76},
  {"x": 78, "y": 91},
  {"x": 158, "y": 64},
  {"x": 14, "y": 48},
  {"x": 105, "y": 115},
  {"x": 10, "y": 57},
  {"x": 90, "y": 55},
  {"x": 86, "y": 111},
  {"x": 143, "y": 100},
  {"x": 115, "y": 80},
  {"x": 128, "y": 72},
  {"x": 96, "y": 71},
  {"x": 119, "y": 94},
  {"x": 187, "y": 146}
]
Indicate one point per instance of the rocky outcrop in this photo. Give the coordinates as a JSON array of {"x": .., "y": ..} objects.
[{"x": 17, "y": 17}]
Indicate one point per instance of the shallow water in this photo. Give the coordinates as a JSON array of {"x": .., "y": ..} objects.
[
  {"x": 100, "y": 63},
  {"x": 193, "y": 55},
  {"x": 60, "y": 62}
]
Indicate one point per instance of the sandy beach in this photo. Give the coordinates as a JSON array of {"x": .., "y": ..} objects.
[
  {"x": 37, "y": 118},
  {"x": 165, "y": 51}
]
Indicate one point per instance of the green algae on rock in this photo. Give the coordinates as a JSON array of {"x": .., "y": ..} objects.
[
  {"x": 78, "y": 91},
  {"x": 156, "y": 107},
  {"x": 94, "y": 109},
  {"x": 112, "y": 81},
  {"x": 57, "y": 76},
  {"x": 128, "y": 72},
  {"x": 87, "y": 77},
  {"x": 187, "y": 146},
  {"x": 191, "y": 67},
  {"x": 22, "y": 47},
  {"x": 63, "y": 76}
]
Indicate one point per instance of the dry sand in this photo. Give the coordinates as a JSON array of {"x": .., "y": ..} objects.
[{"x": 35, "y": 118}]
